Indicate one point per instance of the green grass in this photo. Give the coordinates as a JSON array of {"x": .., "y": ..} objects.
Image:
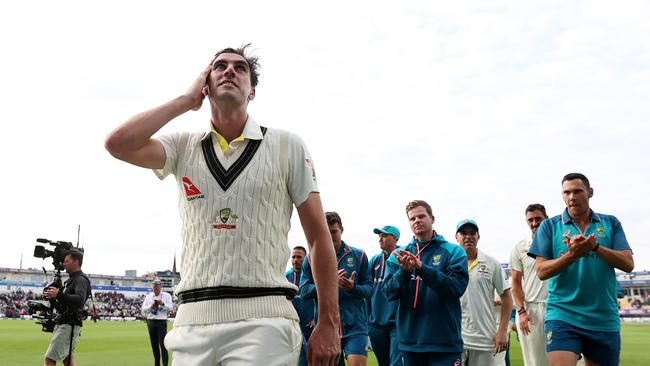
[{"x": 127, "y": 343}]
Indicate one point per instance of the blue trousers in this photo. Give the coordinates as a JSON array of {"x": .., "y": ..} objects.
[
  {"x": 384, "y": 345},
  {"x": 431, "y": 359}
]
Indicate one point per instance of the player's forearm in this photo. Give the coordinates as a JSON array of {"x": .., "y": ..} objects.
[
  {"x": 547, "y": 268},
  {"x": 137, "y": 130},
  {"x": 451, "y": 284},
  {"x": 506, "y": 309},
  {"x": 325, "y": 276},
  {"x": 517, "y": 291},
  {"x": 518, "y": 297},
  {"x": 395, "y": 281},
  {"x": 322, "y": 259},
  {"x": 621, "y": 259},
  {"x": 362, "y": 290}
]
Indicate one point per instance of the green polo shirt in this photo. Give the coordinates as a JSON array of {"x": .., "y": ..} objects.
[{"x": 584, "y": 293}]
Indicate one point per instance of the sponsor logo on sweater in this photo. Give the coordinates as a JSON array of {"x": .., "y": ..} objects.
[{"x": 191, "y": 192}]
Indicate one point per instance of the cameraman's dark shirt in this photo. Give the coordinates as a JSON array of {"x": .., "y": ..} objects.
[{"x": 73, "y": 298}]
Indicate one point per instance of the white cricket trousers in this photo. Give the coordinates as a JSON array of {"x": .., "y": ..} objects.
[
  {"x": 263, "y": 341},
  {"x": 472, "y": 357},
  {"x": 533, "y": 345}
]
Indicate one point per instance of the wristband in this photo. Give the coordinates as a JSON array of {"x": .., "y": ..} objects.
[
  {"x": 521, "y": 310},
  {"x": 596, "y": 247}
]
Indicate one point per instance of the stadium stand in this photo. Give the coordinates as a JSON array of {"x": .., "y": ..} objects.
[{"x": 114, "y": 297}]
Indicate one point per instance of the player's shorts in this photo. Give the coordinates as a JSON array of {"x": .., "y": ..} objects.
[
  {"x": 263, "y": 341},
  {"x": 355, "y": 345},
  {"x": 603, "y": 348},
  {"x": 59, "y": 347}
]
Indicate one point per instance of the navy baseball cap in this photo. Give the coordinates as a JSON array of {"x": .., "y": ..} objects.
[
  {"x": 464, "y": 222},
  {"x": 390, "y": 230}
]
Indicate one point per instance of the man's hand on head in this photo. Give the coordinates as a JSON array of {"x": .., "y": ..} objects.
[{"x": 199, "y": 89}]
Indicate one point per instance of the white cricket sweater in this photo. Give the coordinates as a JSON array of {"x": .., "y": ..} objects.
[{"x": 235, "y": 222}]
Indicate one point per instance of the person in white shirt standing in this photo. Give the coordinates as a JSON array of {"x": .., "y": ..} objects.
[
  {"x": 155, "y": 307},
  {"x": 481, "y": 337},
  {"x": 529, "y": 293}
]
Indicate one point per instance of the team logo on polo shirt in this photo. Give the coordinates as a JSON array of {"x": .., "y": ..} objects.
[
  {"x": 549, "y": 337},
  {"x": 191, "y": 192},
  {"x": 601, "y": 231},
  {"x": 350, "y": 262},
  {"x": 482, "y": 268},
  {"x": 225, "y": 219}
]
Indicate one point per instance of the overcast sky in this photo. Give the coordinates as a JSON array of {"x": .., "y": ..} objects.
[{"x": 478, "y": 108}]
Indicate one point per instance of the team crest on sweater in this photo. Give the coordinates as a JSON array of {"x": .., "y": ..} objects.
[{"x": 225, "y": 219}]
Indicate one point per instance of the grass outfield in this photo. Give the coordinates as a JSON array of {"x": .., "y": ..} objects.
[{"x": 127, "y": 343}]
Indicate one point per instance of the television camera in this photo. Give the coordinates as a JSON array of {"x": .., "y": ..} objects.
[{"x": 44, "y": 311}]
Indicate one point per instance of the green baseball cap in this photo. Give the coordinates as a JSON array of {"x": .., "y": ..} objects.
[
  {"x": 390, "y": 230},
  {"x": 464, "y": 222}
]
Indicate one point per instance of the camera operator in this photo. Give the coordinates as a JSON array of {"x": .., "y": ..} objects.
[{"x": 69, "y": 302}]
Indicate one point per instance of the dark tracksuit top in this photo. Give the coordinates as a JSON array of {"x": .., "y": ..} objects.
[
  {"x": 352, "y": 308},
  {"x": 382, "y": 311},
  {"x": 304, "y": 308},
  {"x": 429, "y": 313}
]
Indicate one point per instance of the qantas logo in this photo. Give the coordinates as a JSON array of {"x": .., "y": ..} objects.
[{"x": 191, "y": 192}]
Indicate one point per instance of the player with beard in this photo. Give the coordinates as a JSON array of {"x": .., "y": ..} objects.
[{"x": 529, "y": 293}]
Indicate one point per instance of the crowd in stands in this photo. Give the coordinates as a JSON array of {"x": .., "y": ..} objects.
[
  {"x": 116, "y": 304},
  {"x": 106, "y": 304},
  {"x": 13, "y": 304}
]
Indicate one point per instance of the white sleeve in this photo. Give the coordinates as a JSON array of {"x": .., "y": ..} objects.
[
  {"x": 302, "y": 174},
  {"x": 515, "y": 261},
  {"x": 500, "y": 283},
  {"x": 146, "y": 305},
  {"x": 167, "y": 299},
  {"x": 171, "y": 145}
]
